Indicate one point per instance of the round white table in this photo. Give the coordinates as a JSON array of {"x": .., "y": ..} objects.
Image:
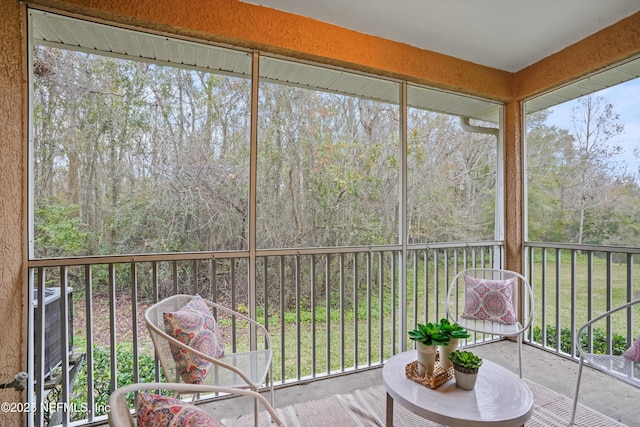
[{"x": 500, "y": 398}]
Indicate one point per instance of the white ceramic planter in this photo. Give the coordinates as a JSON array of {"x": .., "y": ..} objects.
[
  {"x": 465, "y": 380},
  {"x": 445, "y": 351},
  {"x": 426, "y": 358}
]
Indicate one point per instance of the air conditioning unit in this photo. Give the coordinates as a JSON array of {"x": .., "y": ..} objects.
[{"x": 53, "y": 327}]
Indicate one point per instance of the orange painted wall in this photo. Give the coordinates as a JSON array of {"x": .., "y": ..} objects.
[{"x": 12, "y": 190}]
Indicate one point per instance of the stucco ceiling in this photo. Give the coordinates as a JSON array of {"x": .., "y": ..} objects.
[{"x": 504, "y": 34}]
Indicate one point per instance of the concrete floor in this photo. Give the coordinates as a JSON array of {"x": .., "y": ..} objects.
[{"x": 598, "y": 391}]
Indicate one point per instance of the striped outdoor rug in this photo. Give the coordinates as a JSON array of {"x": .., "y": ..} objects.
[{"x": 366, "y": 408}]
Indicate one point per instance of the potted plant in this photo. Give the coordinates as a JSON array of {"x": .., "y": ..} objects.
[
  {"x": 455, "y": 333},
  {"x": 465, "y": 368},
  {"x": 429, "y": 337}
]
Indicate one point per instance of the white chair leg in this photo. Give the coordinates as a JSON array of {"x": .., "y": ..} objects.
[
  {"x": 255, "y": 412},
  {"x": 520, "y": 355},
  {"x": 271, "y": 384},
  {"x": 575, "y": 394},
  {"x": 271, "y": 397}
]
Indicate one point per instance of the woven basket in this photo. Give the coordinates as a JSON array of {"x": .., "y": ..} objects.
[{"x": 439, "y": 377}]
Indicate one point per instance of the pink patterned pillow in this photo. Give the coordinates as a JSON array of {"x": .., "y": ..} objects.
[
  {"x": 633, "y": 352},
  {"x": 195, "y": 326},
  {"x": 163, "y": 411},
  {"x": 489, "y": 300}
]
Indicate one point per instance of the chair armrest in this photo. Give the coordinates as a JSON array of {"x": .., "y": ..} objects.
[
  {"x": 252, "y": 322},
  {"x": 203, "y": 356},
  {"x": 598, "y": 318}
]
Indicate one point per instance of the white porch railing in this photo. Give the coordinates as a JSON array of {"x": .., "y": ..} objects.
[
  {"x": 329, "y": 311},
  {"x": 574, "y": 284}
]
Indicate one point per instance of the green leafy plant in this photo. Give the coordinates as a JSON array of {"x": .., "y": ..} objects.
[
  {"x": 102, "y": 377},
  {"x": 465, "y": 359},
  {"x": 600, "y": 346},
  {"x": 429, "y": 334},
  {"x": 58, "y": 231},
  {"x": 452, "y": 330}
]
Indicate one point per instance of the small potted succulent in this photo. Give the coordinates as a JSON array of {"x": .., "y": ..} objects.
[
  {"x": 429, "y": 337},
  {"x": 455, "y": 333},
  {"x": 465, "y": 368}
]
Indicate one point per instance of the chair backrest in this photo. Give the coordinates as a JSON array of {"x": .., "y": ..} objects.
[
  {"x": 154, "y": 317},
  {"x": 522, "y": 299},
  {"x": 247, "y": 346}
]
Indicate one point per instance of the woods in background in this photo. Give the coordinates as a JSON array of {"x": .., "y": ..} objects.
[{"x": 132, "y": 157}]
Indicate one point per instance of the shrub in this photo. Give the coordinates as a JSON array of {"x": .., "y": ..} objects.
[
  {"x": 102, "y": 377},
  {"x": 566, "y": 340}
]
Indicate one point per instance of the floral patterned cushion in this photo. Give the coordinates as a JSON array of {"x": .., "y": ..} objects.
[
  {"x": 163, "y": 411},
  {"x": 633, "y": 352},
  {"x": 489, "y": 300},
  {"x": 195, "y": 326}
]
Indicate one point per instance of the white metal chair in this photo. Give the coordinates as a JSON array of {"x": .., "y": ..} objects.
[
  {"x": 522, "y": 300},
  {"x": 121, "y": 415},
  {"x": 615, "y": 365},
  {"x": 246, "y": 363}
]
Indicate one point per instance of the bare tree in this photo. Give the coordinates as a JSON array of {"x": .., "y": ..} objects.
[{"x": 595, "y": 124}]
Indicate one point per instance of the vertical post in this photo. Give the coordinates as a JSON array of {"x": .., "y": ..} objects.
[
  {"x": 513, "y": 194},
  {"x": 37, "y": 356},
  {"x": 253, "y": 168},
  {"x": 403, "y": 218},
  {"x": 134, "y": 318},
  {"x": 88, "y": 302},
  {"x": 113, "y": 325},
  {"x": 630, "y": 297},
  {"x": 574, "y": 300},
  {"x": 35, "y": 321}
]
